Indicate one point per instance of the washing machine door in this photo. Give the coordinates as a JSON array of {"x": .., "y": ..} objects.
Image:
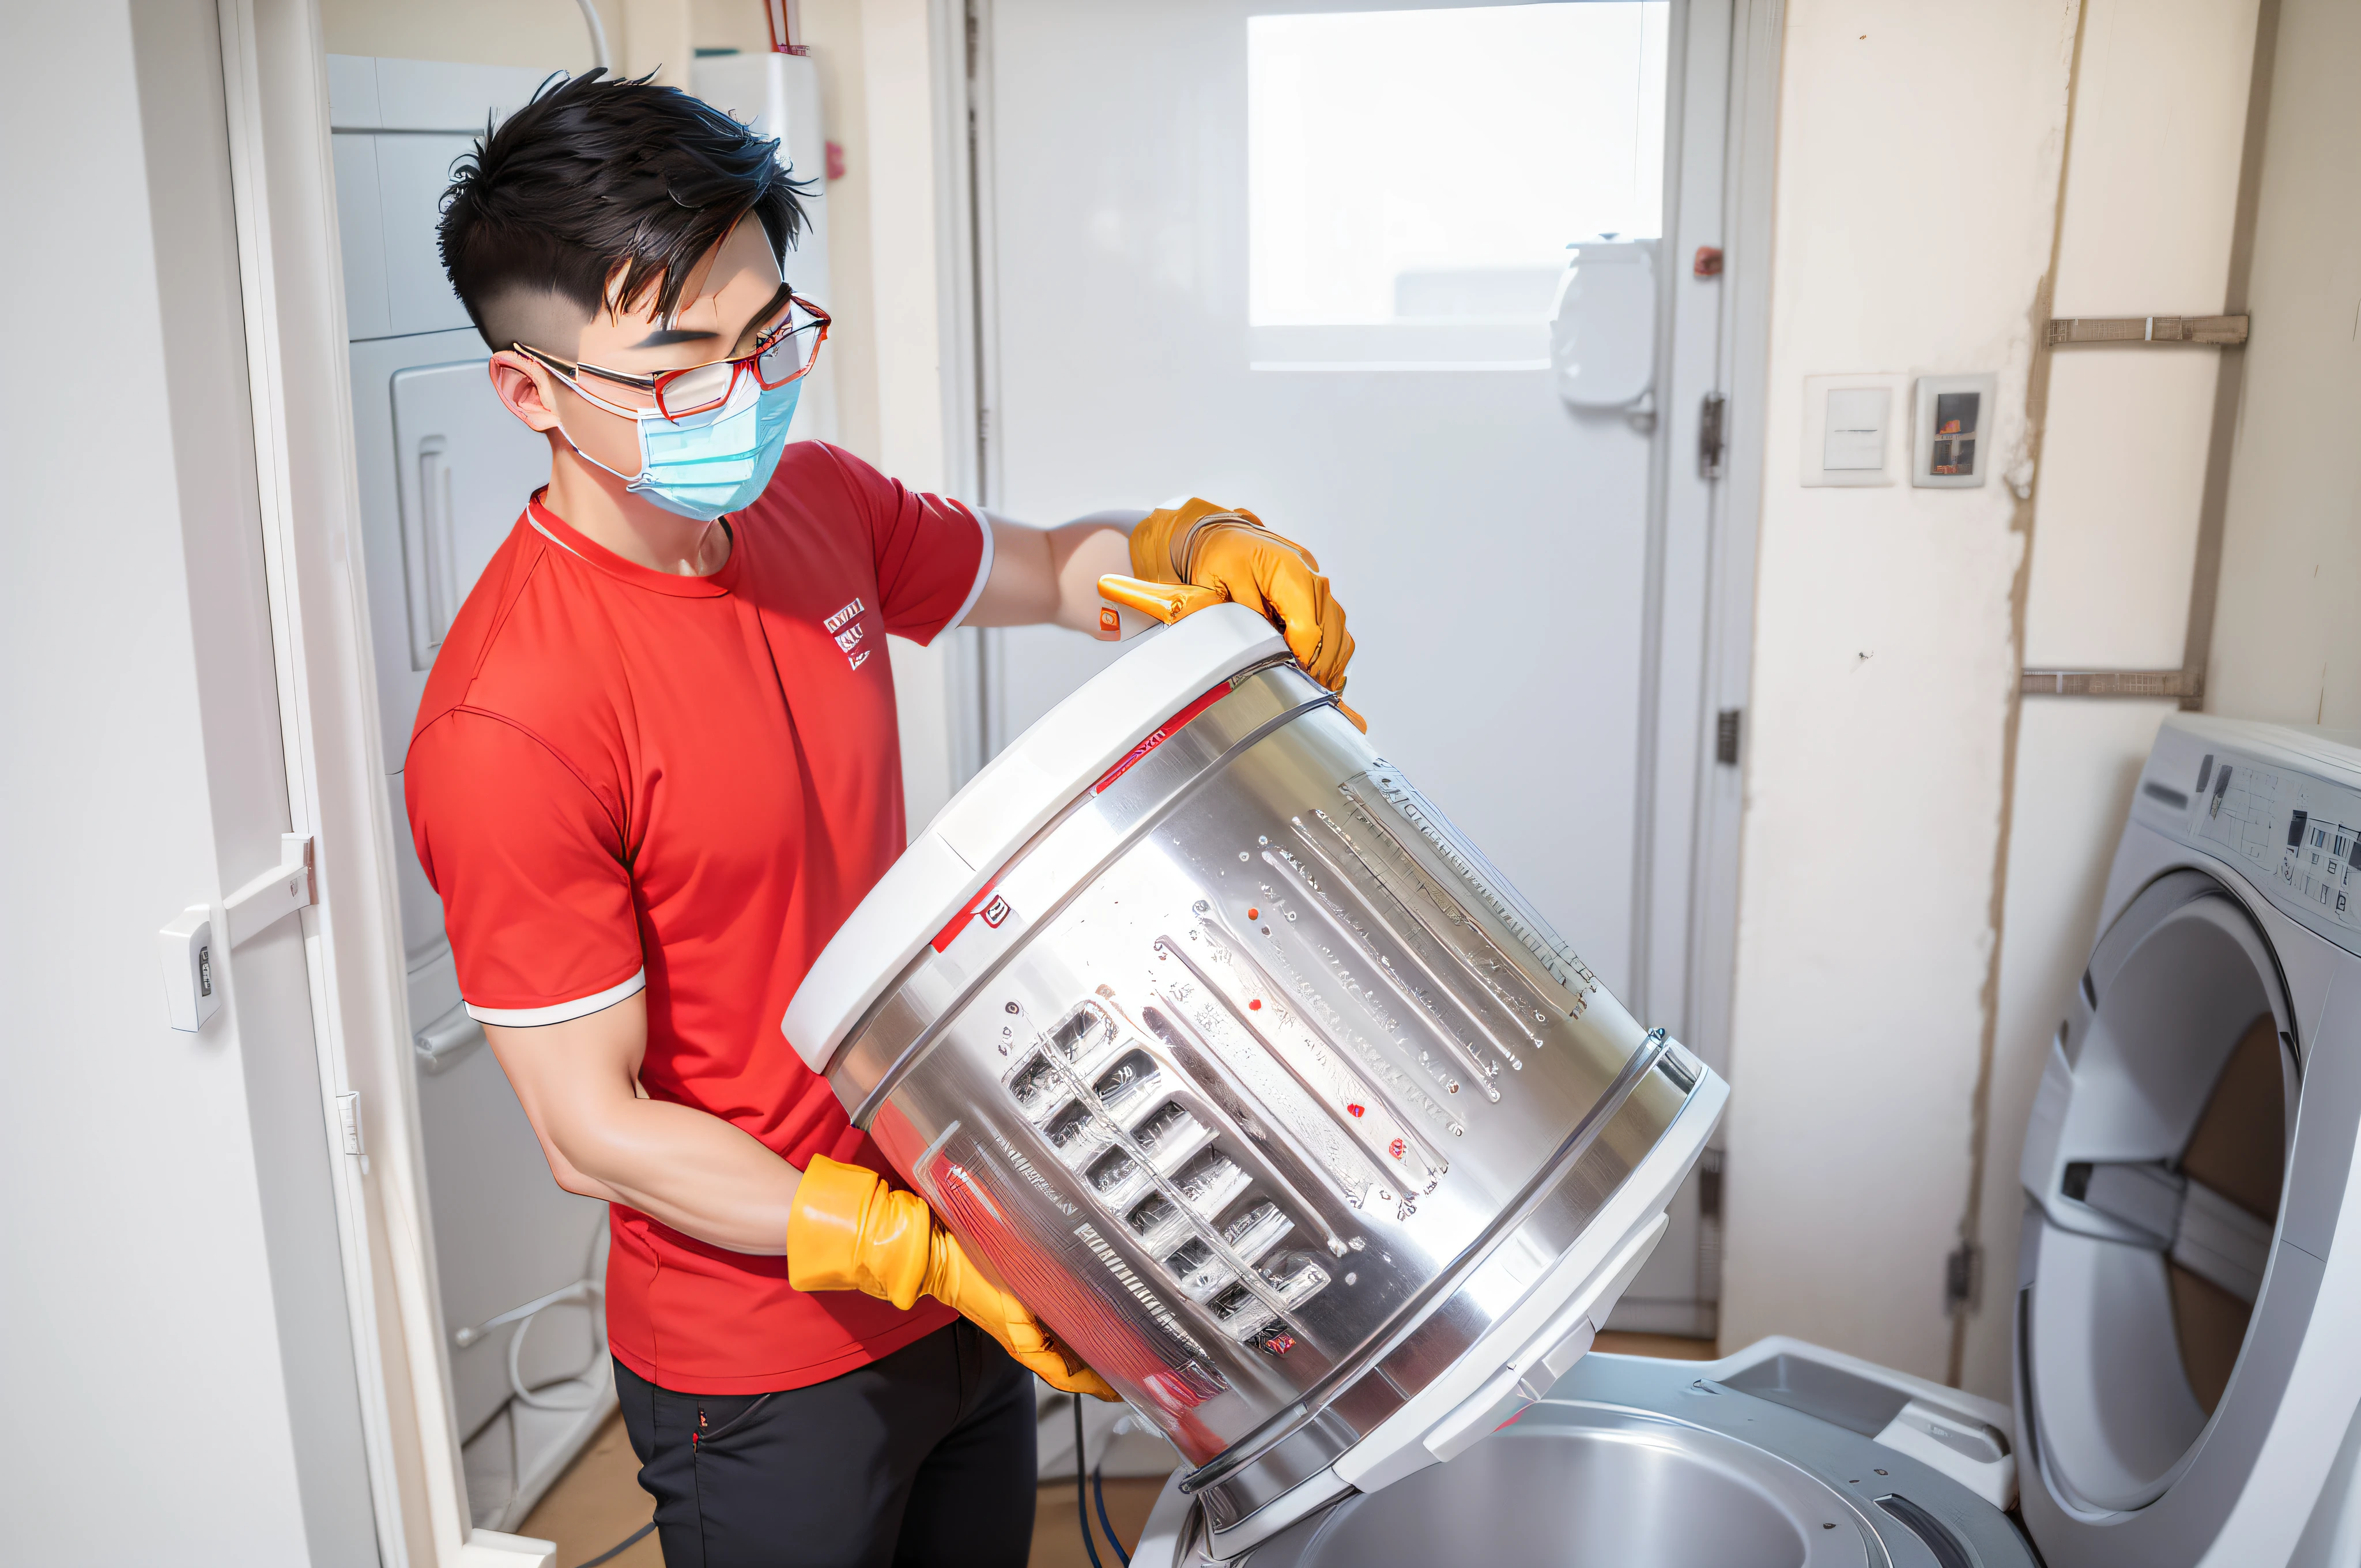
[{"x": 2161, "y": 1300}]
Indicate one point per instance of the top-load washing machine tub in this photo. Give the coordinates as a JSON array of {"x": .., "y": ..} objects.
[
  {"x": 1210, "y": 1034},
  {"x": 1784, "y": 1455}
]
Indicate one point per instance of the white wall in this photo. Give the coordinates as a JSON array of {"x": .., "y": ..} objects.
[
  {"x": 2287, "y": 642},
  {"x": 177, "y": 1370},
  {"x": 1918, "y": 177},
  {"x": 2150, "y": 209},
  {"x": 641, "y": 35}
]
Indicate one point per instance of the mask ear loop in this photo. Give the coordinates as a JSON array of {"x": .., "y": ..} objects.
[{"x": 595, "y": 400}]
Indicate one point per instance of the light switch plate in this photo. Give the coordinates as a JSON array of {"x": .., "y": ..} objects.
[
  {"x": 1850, "y": 423},
  {"x": 1951, "y": 431}
]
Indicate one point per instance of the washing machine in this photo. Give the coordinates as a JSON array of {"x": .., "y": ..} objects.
[{"x": 2188, "y": 1354}]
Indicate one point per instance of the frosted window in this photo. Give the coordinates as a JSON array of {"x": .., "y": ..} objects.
[{"x": 1430, "y": 167}]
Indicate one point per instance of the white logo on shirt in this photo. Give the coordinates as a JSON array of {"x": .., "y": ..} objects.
[{"x": 846, "y": 628}]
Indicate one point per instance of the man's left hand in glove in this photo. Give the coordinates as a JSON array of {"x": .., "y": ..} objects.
[{"x": 849, "y": 1231}]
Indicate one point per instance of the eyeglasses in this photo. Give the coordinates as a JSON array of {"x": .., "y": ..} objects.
[{"x": 786, "y": 350}]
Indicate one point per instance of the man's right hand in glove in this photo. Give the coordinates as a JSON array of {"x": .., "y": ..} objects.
[
  {"x": 1211, "y": 553},
  {"x": 847, "y": 1231}
]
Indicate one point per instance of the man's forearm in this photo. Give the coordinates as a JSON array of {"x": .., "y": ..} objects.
[
  {"x": 690, "y": 1171},
  {"x": 693, "y": 1171},
  {"x": 1050, "y": 575}
]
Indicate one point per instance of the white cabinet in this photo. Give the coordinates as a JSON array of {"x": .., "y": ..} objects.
[{"x": 465, "y": 466}]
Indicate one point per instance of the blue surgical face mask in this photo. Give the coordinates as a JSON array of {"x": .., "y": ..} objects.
[{"x": 702, "y": 465}]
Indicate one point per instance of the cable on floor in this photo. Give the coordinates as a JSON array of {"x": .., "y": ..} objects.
[{"x": 622, "y": 1546}]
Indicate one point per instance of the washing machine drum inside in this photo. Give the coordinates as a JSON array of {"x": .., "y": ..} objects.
[{"x": 2153, "y": 1167}]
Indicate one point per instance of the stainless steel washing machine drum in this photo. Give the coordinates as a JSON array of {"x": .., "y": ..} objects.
[{"x": 1210, "y": 1034}]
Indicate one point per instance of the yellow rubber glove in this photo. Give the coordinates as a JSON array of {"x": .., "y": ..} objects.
[
  {"x": 1168, "y": 602},
  {"x": 847, "y": 1231},
  {"x": 1231, "y": 554}
]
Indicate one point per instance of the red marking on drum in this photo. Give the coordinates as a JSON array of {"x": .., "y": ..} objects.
[
  {"x": 991, "y": 905},
  {"x": 1253, "y": 1003},
  {"x": 1158, "y": 736},
  {"x": 1398, "y": 1149},
  {"x": 1354, "y": 1109}
]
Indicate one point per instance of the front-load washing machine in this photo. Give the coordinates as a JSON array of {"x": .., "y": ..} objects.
[{"x": 2187, "y": 1355}]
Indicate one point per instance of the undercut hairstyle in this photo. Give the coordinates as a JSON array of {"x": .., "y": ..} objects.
[{"x": 603, "y": 188}]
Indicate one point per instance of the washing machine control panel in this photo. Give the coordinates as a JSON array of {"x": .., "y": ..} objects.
[{"x": 2283, "y": 815}]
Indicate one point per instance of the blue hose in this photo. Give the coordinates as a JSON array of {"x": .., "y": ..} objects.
[
  {"x": 1098, "y": 1496},
  {"x": 1081, "y": 1505}
]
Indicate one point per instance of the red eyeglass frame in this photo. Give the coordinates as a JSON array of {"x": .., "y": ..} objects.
[{"x": 739, "y": 364}]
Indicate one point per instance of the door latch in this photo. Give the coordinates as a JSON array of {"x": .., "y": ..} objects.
[
  {"x": 276, "y": 894},
  {"x": 1711, "y": 442}
]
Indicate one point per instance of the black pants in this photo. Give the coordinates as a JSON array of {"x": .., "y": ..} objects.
[{"x": 923, "y": 1458}]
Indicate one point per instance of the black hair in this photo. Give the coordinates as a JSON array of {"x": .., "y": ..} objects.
[{"x": 607, "y": 182}]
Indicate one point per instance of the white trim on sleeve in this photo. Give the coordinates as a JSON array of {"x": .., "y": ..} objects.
[
  {"x": 562, "y": 1012},
  {"x": 982, "y": 569}
]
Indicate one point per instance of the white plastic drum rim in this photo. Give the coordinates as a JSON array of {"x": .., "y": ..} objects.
[{"x": 946, "y": 874}]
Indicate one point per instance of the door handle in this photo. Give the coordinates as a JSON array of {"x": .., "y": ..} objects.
[
  {"x": 445, "y": 1041},
  {"x": 270, "y": 898},
  {"x": 441, "y": 543}
]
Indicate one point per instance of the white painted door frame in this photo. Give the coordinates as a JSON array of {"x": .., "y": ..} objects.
[
  {"x": 1697, "y": 657},
  {"x": 274, "y": 77}
]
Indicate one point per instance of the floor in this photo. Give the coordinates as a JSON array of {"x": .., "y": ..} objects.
[{"x": 598, "y": 1502}]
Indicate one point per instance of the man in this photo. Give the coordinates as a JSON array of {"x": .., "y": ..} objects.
[{"x": 655, "y": 769}]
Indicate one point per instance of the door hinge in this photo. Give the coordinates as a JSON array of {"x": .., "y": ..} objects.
[
  {"x": 270, "y": 898},
  {"x": 1710, "y": 443},
  {"x": 1709, "y": 1204},
  {"x": 348, "y": 1127},
  {"x": 1725, "y": 736},
  {"x": 1963, "y": 1278}
]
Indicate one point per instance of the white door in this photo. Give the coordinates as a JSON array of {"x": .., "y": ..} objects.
[
  {"x": 1303, "y": 264},
  {"x": 1302, "y": 258}
]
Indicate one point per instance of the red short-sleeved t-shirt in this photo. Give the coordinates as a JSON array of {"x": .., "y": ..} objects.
[{"x": 624, "y": 780}]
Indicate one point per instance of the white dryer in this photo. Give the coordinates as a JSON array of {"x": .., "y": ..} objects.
[{"x": 2188, "y": 1364}]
